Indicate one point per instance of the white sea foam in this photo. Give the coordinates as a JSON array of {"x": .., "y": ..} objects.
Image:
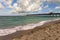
[{"x": 4, "y": 32}]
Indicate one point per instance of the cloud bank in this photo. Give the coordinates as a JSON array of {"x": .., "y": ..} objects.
[
  {"x": 27, "y": 5},
  {"x": 31, "y": 5}
]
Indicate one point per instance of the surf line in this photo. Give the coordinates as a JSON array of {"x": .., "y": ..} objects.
[{"x": 4, "y": 32}]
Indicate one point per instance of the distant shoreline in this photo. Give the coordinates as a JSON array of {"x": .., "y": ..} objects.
[{"x": 40, "y": 14}]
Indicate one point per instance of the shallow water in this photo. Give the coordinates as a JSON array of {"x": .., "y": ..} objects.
[{"x": 11, "y": 21}]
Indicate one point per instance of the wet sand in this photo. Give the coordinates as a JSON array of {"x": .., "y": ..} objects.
[{"x": 48, "y": 31}]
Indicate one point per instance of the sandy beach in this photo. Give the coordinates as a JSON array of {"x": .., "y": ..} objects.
[{"x": 47, "y": 31}]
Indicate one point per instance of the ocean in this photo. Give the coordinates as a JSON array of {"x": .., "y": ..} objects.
[
  {"x": 12, "y": 21},
  {"x": 12, "y": 24}
]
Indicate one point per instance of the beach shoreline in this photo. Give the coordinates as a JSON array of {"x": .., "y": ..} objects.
[
  {"x": 25, "y": 30},
  {"x": 4, "y": 32}
]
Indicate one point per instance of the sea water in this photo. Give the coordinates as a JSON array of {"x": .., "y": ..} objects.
[
  {"x": 12, "y": 24},
  {"x": 12, "y": 21}
]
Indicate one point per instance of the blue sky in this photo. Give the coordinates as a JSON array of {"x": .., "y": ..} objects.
[
  {"x": 13, "y": 1},
  {"x": 46, "y": 7}
]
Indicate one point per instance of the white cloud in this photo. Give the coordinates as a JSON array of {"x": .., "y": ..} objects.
[
  {"x": 1, "y": 6},
  {"x": 7, "y": 2},
  {"x": 24, "y": 5},
  {"x": 1, "y": 0},
  {"x": 54, "y": 1},
  {"x": 32, "y": 5},
  {"x": 46, "y": 6},
  {"x": 28, "y": 5},
  {"x": 15, "y": 5},
  {"x": 58, "y": 7}
]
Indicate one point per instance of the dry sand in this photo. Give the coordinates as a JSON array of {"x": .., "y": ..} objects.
[{"x": 48, "y": 31}]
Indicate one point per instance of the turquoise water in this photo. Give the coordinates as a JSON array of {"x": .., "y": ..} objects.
[{"x": 11, "y": 21}]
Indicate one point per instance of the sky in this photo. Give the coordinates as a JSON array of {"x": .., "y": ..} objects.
[{"x": 11, "y": 7}]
